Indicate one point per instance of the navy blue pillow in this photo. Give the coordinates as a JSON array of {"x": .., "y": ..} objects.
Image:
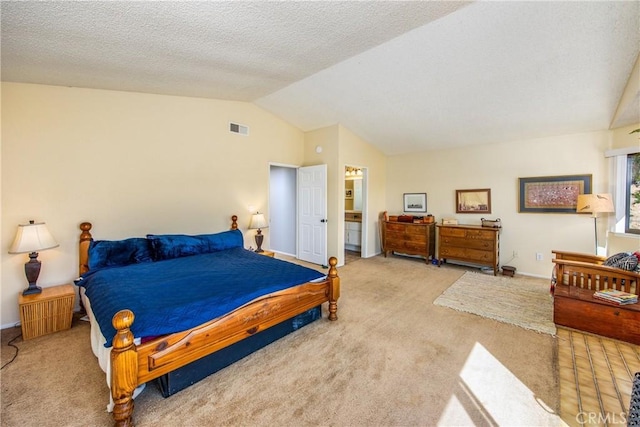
[
  {"x": 168, "y": 246},
  {"x": 118, "y": 253}
]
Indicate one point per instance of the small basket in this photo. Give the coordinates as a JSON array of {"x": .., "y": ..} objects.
[
  {"x": 507, "y": 270},
  {"x": 493, "y": 223}
]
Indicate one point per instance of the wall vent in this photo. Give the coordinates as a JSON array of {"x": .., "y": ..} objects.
[{"x": 238, "y": 128}]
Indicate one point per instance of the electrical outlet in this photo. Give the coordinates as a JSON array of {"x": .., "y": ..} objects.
[
  {"x": 539, "y": 256},
  {"x": 515, "y": 254}
]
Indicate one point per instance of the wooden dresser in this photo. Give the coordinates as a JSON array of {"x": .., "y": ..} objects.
[
  {"x": 409, "y": 238},
  {"x": 471, "y": 244}
]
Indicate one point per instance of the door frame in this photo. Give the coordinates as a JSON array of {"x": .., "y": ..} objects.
[{"x": 364, "y": 239}]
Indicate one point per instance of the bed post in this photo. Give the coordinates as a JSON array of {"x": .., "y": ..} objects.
[
  {"x": 234, "y": 222},
  {"x": 83, "y": 257},
  {"x": 85, "y": 240},
  {"x": 334, "y": 288},
  {"x": 124, "y": 369}
]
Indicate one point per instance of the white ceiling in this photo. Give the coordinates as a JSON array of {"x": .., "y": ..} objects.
[{"x": 405, "y": 76}]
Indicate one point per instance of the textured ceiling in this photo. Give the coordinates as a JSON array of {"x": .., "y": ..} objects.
[{"x": 405, "y": 76}]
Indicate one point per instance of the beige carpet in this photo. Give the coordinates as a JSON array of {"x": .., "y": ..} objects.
[
  {"x": 520, "y": 300},
  {"x": 392, "y": 359}
]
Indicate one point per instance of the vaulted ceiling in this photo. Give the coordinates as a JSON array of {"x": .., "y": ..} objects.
[{"x": 405, "y": 76}]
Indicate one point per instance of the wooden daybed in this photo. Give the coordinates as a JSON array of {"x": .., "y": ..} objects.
[
  {"x": 577, "y": 277},
  {"x": 133, "y": 365}
]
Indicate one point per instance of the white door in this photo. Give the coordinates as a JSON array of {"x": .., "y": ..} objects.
[{"x": 312, "y": 214}]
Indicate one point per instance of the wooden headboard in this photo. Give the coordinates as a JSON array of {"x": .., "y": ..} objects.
[{"x": 86, "y": 237}]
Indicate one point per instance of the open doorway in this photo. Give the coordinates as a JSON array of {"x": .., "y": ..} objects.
[
  {"x": 355, "y": 179},
  {"x": 282, "y": 209}
]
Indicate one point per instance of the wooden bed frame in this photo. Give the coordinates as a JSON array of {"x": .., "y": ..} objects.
[
  {"x": 133, "y": 365},
  {"x": 578, "y": 276}
]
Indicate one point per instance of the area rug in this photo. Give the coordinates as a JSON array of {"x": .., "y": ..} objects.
[{"x": 520, "y": 301}]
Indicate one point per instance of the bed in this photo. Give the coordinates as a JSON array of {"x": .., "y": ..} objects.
[{"x": 147, "y": 348}]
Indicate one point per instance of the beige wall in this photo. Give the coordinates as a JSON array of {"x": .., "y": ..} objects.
[
  {"x": 341, "y": 147},
  {"x": 328, "y": 140},
  {"x": 354, "y": 151},
  {"x": 498, "y": 167},
  {"x": 130, "y": 163}
]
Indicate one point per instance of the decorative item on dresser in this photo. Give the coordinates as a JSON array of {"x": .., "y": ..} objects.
[
  {"x": 411, "y": 238},
  {"x": 472, "y": 244}
]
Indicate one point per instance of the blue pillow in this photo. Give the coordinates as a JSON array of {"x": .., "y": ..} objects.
[
  {"x": 118, "y": 253},
  {"x": 168, "y": 246}
]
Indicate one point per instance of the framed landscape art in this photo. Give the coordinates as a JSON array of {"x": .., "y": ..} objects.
[
  {"x": 415, "y": 202},
  {"x": 552, "y": 194},
  {"x": 473, "y": 201}
]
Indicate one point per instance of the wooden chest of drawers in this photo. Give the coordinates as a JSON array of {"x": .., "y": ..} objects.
[
  {"x": 409, "y": 238},
  {"x": 472, "y": 244}
]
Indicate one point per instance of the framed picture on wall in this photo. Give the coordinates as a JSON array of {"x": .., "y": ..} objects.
[
  {"x": 415, "y": 202},
  {"x": 473, "y": 201},
  {"x": 552, "y": 194},
  {"x": 348, "y": 193}
]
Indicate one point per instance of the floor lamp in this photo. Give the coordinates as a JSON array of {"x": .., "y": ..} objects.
[{"x": 595, "y": 204}]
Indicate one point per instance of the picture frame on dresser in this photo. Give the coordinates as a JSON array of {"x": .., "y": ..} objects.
[
  {"x": 473, "y": 201},
  {"x": 552, "y": 194},
  {"x": 414, "y": 202}
]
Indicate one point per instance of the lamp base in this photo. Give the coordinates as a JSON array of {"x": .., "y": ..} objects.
[
  {"x": 32, "y": 290},
  {"x": 259, "y": 239},
  {"x": 32, "y": 271}
]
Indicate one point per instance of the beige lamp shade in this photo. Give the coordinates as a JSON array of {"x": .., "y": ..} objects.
[
  {"x": 258, "y": 221},
  {"x": 595, "y": 203},
  {"x": 32, "y": 237}
]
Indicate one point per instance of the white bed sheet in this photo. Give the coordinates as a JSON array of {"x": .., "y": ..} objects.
[{"x": 102, "y": 353}]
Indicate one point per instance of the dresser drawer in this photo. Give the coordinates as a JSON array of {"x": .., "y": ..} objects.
[
  {"x": 467, "y": 254},
  {"x": 465, "y": 233},
  {"x": 451, "y": 232},
  {"x": 487, "y": 245},
  {"x": 481, "y": 234},
  {"x": 407, "y": 247},
  {"x": 407, "y": 228},
  {"x": 397, "y": 235}
]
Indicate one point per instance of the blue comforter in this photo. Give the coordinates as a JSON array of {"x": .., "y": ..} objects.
[{"x": 178, "y": 294}]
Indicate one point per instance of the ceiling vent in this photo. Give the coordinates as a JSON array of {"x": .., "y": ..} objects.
[{"x": 238, "y": 128}]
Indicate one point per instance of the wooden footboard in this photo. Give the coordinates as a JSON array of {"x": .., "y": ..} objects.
[{"x": 134, "y": 365}]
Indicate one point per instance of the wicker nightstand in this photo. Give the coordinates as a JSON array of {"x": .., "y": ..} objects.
[{"x": 46, "y": 312}]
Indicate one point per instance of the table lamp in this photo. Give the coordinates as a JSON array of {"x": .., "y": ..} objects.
[
  {"x": 31, "y": 238},
  {"x": 258, "y": 221},
  {"x": 595, "y": 204}
]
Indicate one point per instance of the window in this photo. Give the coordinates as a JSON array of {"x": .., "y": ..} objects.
[{"x": 632, "y": 194}]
